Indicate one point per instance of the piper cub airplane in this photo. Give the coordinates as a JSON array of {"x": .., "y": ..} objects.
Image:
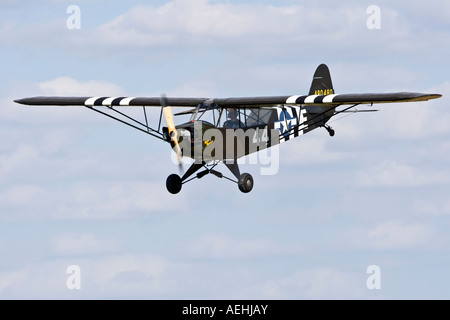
[{"x": 226, "y": 129}]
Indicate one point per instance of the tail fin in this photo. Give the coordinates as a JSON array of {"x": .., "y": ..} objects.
[{"x": 321, "y": 84}]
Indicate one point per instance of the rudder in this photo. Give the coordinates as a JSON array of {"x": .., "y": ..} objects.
[{"x": 321, "y": 84}]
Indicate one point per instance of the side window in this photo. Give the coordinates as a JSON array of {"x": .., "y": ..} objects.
[{"x": 260, "y": 116}]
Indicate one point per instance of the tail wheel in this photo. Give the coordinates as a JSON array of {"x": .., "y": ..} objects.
[
  {"x": 245, "y": 182},
  {"x": 332, "y": 132},
  {"x": 173, "y": 183}
]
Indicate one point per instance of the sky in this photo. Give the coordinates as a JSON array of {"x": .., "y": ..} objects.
[{"x": 84, "y": 212}]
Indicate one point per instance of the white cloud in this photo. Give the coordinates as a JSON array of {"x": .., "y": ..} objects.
[
  {"x": 432, "y": 207},
  {"x": 393, "y": 174},
  {"x": 21, "y": 155},
  {"x": 204, "y": 23},
  {"x": 147, "y": 276},
  {"x": 119, "y": 199},
  {"x": 21, "y": 194},
  {"x": 81, "y": 244},
  {"x": 108, "y": 276},
  {"x": 67, "y": 86},
  {"x": 187, "y": 23},
  {"x": 176, "y": 20},
  {"x": 11, "y": 279},
  {"x": 110, "y": 268},
  {"x": 312, "y": 149},
  {"x": 317, "y": 283},
  {"x": 394, "y": 235},
  {"x": 87, "y": 200},
  {"x": 381, "y": 236},
  {"x": 54, "y": 115},
  {"x": 223, "y": 246}
]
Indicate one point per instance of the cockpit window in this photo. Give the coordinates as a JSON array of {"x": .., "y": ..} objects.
[
  {"x": 233, "y": 119},
  {"x": 258, "y": 116}
]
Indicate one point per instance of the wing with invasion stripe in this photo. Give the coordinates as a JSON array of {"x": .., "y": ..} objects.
[
  {"x": 109, "y": 101},
  {"x": 331, "y": 99},
  {"x": 247, "y": 102},
  {"x": 362, "y": 98}
]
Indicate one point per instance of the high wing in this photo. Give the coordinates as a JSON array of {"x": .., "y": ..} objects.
[
  {"x": 109, "y": 101},
  {"x": 247, "y": 102},
  {"x": 312, "y": 110},
  {"x": 331, "y": 99}
]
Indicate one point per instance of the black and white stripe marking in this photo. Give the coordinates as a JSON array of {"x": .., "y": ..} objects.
[
  {"x": 126, "y": 101},
  {"x": 108, "y": 101},
  {"x": 311, "y": 99}
]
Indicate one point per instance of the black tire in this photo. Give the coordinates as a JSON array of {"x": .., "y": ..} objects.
[
  {"x": 245, "y": 182},
  {"x": 173, "y": 183}
]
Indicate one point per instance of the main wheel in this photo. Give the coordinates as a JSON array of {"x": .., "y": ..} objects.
[
  {"x": 173, "y": 183},
  {"x": 245, "y": 182}
]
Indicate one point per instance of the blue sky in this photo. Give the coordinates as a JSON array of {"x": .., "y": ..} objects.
[{"x": 79, "y": 189}]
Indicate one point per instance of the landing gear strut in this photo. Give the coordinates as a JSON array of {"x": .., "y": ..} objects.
[{"x": 174, "y": 182}]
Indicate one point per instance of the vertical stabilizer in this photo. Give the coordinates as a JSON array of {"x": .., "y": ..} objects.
[{"x": 321, "y": 84}]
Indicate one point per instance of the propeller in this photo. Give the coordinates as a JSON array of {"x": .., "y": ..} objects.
[{"x": 173, "y": 134}]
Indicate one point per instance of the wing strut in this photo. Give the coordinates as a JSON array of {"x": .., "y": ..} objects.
[
  {"x": 147, "y": 129},
  {"x": 146, "y": 121}
]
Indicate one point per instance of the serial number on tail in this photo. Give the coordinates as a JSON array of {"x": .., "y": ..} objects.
[{"x": 323, "y": 92}]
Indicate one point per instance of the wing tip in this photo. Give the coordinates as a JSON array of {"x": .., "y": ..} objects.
[
  {"x": 435, "y": 96},
  {"x": 21, "y": 101},
  {"x": 428, "y": 96}
]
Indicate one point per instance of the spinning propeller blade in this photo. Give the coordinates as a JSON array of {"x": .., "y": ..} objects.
[{"x": 172, "y": 130}]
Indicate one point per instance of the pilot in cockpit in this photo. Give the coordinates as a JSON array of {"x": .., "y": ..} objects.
[{"x": 233, "y": 121}]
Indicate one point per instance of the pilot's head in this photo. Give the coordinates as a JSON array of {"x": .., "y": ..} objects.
[{"x": 232, "y": 114}]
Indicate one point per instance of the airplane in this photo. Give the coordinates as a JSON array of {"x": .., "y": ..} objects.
[{"x": 222, "y": 130}]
